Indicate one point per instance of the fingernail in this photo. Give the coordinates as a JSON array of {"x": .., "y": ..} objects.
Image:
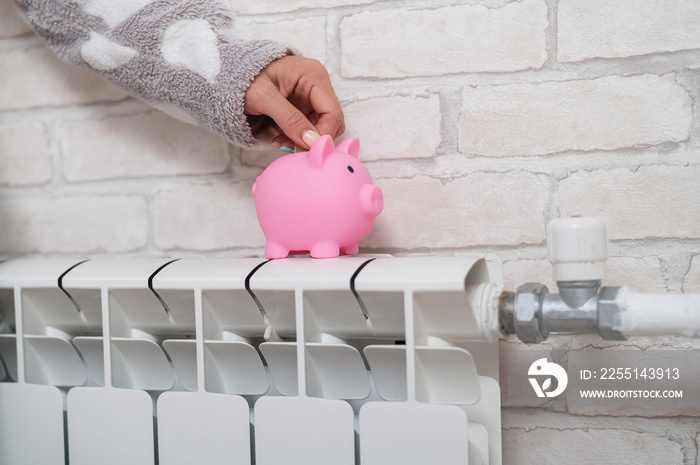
[
  {"x": 309, "y": 137},
  {"x": 286, "y": 149}
]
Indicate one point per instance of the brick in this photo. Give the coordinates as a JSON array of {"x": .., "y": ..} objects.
[
  {"x": 260, "y": 157},
  {"x": 598, "y": 114},
  {"x": 76, "y": 224},
  {"x": 151, "y": 144},
  {"x": 578, "y": 341},
  {"x": 395, "y": 43},
  {"x": 586, "y": 446},
  {"x": 516, "y": 390},
  {"x": 280, "y": 6},
  {"x": 395, "y": 127},
  {"x": 691, "y": 281},
  {"x": 466, "y": 211},
  {"x": 24, "y": 155},
  {"x": 600, "y": 28},
  {"x": 517, "y": 272},
  {"x": 307, "y": 35},
  {"x": 630, "y": 407},
  {"x": 37, "y": 78},
  {"x": 639, "y": 274},
  {"x": 11, "y": 22},
  {"x": 207, "y": 217},
  {"x": 654, "y": 201}
]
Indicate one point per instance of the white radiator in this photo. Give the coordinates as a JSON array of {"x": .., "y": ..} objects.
[{"x": 371, "y": 360}]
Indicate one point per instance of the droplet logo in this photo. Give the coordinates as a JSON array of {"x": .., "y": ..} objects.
[{"x": 542, "y": 368}]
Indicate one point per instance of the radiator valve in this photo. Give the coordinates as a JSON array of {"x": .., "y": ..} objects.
[{"x": 577, "y": 249}]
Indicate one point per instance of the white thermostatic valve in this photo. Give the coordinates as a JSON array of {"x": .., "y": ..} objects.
[{"x": 577, "y": 248}]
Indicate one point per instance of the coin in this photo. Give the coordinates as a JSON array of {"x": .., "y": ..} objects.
[{"x": 299, "y": 148}]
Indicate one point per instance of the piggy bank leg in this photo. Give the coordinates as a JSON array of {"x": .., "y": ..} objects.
[
  {"x": 327, "y": 249},
  {"x": 274, "y": 250},
  {"x": 351, "y": 249}
]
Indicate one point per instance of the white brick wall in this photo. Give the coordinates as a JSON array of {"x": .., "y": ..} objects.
[
  {"x": 206, "y": 217},
  {"x": 469, "y": 211},
  {"x": 151, "y": 144},
  {"x": 482, "y": 120},
  {"x": 520, "y": 271},
  {"x": 260, "y": 157},
  {"x": 586, "y": 446},
  {"x": 457, "y": 39},
  {"x": 278, "y": 6},
  {"x": 640, "y": 274},
  {"x": 652, "y": 201},
  {"x": 306, "y": 35},
  {"x": 607, "y": 113},
  {"x": 691, "y": 281},
  {"x": 369, "y": 120},
  {"x": 601, "y": 28},
  {"x": 82, "y": 224},
  {"x": 36, "y": 78},
  {"x": 25, "y": 159},
  {"x": 644, "y": 274}
]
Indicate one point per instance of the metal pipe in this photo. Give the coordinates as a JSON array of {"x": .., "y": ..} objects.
[
  {"x": 506, "y": 304},
  {"x": 660, "y": 314},
  {"x": 559, "y": 317},
  {"x": 613, "y": 312}
]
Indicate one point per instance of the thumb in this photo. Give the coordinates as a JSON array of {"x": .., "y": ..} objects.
[{"x": 290, "y": 120}]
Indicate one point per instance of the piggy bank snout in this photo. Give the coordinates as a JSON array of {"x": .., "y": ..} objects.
[{"x": 371, "y": 200}]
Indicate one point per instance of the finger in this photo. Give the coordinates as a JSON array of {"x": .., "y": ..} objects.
[
  {"x": 328, "y": 124},
  {"x": 341, "y": 130},
  {"x": 326, "y": 105},
  {"x": 290, "y": 120},
  {"x": 283, "y": 140}
]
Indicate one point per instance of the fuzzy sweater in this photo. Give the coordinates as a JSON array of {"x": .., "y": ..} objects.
[{"x": 179, "y": 56}]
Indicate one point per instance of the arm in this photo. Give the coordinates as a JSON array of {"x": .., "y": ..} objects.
[{"x": 178, "y": 55}]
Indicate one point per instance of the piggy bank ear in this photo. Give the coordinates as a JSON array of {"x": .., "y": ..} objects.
[
  {"x": 351, "y": 146},
  {"x": 320, "y": 150}
]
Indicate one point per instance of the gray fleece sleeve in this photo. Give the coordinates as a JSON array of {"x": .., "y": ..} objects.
[{"x": 178, "y": 55}]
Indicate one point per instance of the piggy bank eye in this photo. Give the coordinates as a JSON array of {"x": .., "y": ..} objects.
[{"x": 350, "y": 169}]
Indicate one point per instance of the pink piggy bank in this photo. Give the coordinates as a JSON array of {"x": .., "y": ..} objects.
[{"x": 321, "y": 201}]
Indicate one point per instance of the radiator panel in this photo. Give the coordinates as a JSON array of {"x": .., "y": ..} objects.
[
  {"x": 31, "y": 424},
  {"x": 110, "y": 426},
  {"x": 243, "y": 360},
  {"x": 203, "y": 428}
]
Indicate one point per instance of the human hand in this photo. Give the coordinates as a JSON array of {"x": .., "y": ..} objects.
[{"x": 296, "y": 96}]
